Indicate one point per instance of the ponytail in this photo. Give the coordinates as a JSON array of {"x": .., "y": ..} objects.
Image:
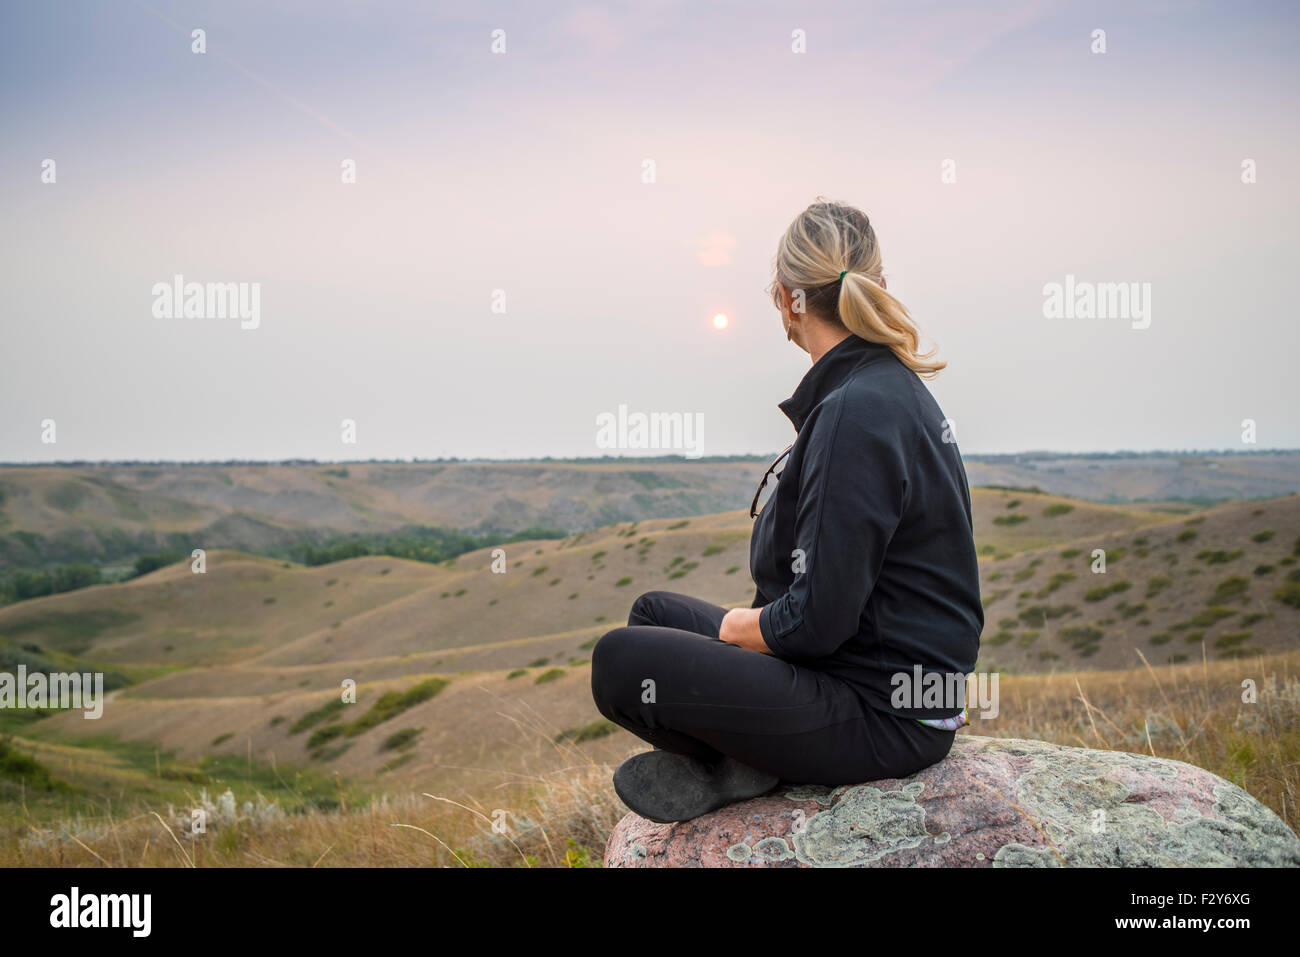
[
  {"x": 830, "y": 252},
  {"x": 869, "y": 311}
]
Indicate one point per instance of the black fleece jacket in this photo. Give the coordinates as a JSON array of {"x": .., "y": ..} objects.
[{"x": 863, "y": 557}]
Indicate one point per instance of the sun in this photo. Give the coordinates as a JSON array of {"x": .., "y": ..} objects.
[{"x": 720, "y": 321}]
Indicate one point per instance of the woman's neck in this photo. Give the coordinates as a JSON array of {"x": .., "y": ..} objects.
[{"x": 824, "y": 337}]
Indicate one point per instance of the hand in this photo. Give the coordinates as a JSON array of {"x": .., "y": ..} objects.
[{"x": 740, "y": 627}]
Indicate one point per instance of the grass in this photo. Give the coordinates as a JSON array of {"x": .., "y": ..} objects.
[
  {"x": 19, "y": 772},
  {"x": 554, "y": 819},
  {"x": 400, "y": 739},
  {"x": 72, "y": 630},
  {"x": 313, "y": 718},
  {"x": 393, "y": 703},
  {"x": 1191, "y": 712},
  {"x": 588, "y": 732}
]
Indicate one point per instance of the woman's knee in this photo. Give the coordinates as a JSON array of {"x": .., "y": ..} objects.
[
  {"x": 612, "y": 660},
  {"x": 646, "y": 610}
]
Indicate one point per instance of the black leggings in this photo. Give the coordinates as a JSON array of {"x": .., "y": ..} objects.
[{"x": 671, "y": 681}]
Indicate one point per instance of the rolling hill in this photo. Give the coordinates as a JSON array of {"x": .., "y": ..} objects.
[
  {"x": 231, "y": 662},
  {"x": 112, "y": 513}
]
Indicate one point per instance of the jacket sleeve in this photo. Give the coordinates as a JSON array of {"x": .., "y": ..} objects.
[{"x": 853, "y": 487}]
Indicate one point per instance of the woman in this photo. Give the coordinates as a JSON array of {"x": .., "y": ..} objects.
[{"x": 863, "y": 559}]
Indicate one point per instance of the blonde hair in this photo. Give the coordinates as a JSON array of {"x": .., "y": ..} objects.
[{"x": 828, "y": 239}]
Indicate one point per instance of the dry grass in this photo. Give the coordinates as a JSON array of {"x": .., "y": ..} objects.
[
  {"x": 1190, "y": 712},
  {"x": 562, "y": 818},
  {"x": 557, "y": 818}
]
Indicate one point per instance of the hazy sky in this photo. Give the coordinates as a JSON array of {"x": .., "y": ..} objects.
[{"x": 522, "y": 172}]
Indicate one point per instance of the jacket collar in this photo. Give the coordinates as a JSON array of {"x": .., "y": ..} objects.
[{"x": 826, "y": 374}]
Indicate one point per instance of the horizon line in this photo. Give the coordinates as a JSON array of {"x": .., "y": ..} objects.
[{"x": 740, "y": 456}]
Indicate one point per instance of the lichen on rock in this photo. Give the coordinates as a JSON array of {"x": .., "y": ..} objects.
[{"x": 991, "y": 803}]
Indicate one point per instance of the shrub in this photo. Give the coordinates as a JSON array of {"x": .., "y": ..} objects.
[
  {"x": 1055, "y": 582},
  {"x": 1130, "y": 611},
  {"x": 327, "y": 710},
  {"x": 155, "y": 560},
  {"x": 400, "y": 739},
  {"x": 991, "y": 597},
  {"x": 393, "y": 703},
  {"x": 1057, "y": 508},
  {"x": 1186, "y": 535},
  {"x": 1229, "y": 589},
  {"x": 518, "y": 672},
  {"x": 625, "y": 580},
  {"x": 713, "y": 550},
  {"x": 1218, "y": 557},
  {"x": 599, "y": 728},
  {"x": 1071, "y": 552},
  {"x": 1231, "y": 639},
  {"x": 1157, "y": 584},
  {"x": 549, "y": 675},
  {"x": 1037, "y": 615},
  {"x": 1289, "y": 594},
  {"x": 1015, "y": 518},
  {"x": 686, "y": 567},
  {"x": 1263, "y": 536},
  {"x": 1103, "y": 592},
  {"x": 1206, "y": 619},
  {"x": 1084, "y": 639},
  {"x": 324, "y": 735},
  {"x": 32, "y": 774}
]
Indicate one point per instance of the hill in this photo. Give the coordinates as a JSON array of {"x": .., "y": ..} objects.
[
  {"x": 231, "y": 662},
  {"x": 112, "y": 513}
]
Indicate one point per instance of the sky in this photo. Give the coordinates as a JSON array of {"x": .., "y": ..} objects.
[{"x": 501, "y": 276}]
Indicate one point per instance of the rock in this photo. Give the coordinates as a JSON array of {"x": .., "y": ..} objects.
[{"x": 993, "y": 802}]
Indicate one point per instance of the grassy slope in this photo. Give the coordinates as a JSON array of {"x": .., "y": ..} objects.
[
  {"x": 230, "y": 663},
  {"x": 81, "y": 511}
]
